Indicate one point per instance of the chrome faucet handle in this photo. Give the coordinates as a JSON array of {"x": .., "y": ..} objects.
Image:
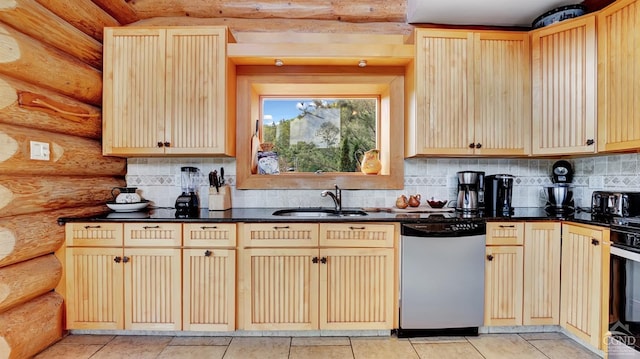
[{"x": 336, "y": 197}]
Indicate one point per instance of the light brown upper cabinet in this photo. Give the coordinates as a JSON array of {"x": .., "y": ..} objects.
[
  {"x": 168, "y": 91},
  {"x": 469, "y": 94},
  {"x": 619, "y": 76},
  {"x": 564, "y": 67}
]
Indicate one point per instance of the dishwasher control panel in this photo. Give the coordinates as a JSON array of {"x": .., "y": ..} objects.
[{"x": 448, "y": 229}]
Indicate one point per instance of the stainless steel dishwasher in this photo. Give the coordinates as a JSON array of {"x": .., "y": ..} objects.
[{"x": 442, "y": 277}]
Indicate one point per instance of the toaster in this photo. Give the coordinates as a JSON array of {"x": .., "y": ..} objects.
[{"x": 615, "y": 204}]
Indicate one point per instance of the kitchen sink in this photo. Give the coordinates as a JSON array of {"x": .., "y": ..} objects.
[{"x": 319, "y": 212}]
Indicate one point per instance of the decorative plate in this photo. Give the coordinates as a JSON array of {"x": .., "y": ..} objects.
[
  {"x": 127, "y": 207},
  {"x": 558, "y": 14}
]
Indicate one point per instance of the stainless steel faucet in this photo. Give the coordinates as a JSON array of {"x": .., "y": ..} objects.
[{"x": 337, "y": 197}]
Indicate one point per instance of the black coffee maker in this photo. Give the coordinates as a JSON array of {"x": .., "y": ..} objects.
[{"x": 498, "y": 194}]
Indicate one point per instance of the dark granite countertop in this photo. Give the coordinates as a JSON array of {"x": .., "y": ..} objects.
[{"x": 266, "y": 215}]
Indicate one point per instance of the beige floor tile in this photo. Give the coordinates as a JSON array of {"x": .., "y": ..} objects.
[
  {"x": 321, "y": 351},
  {"x": 562, "y": 349},
  {"x": 200, "y": 341},
  {"x": 507, "y": 346},
  {"x": 542, "y": 336},
  {"x": 193, "y": 352},
  {"x": 438, "y": 340},
  {"x": 384, "y": 348},
  {"x": 139, "y": 347},
  {"x": 66, "y": 351},
  {"x": 87, "y": 339},
  {"x": 316, "y": 341},
  {"x": 258, "y": 348},
  {"x": 447, "y": 351}
]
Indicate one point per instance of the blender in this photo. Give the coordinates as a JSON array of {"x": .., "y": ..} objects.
[{"x": 188, "y": 203}]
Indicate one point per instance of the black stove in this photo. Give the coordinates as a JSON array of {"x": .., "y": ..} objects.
[{"x": 625, "y": 233}]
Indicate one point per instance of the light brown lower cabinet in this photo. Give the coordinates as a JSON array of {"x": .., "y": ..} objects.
[
  {"x": 584, "y": 289},
  {"x": 209, "y": 277},
  {"x": 130, "y": 288},
  {"x": 110, "y": 285},
  {"x": 541, "y": 296},
  {"x": 522, "y": 273},
  {"x": 315, "y": 288}
]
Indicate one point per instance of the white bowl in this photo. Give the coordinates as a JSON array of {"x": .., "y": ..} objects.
[{"x": 128, "y": 207}]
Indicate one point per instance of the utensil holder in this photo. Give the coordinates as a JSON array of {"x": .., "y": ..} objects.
[{"x": 219, "y": 200}]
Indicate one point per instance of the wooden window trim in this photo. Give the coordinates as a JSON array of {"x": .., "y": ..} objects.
[{"x": 385, "y": 82}]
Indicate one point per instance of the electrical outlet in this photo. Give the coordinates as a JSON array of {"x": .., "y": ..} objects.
[{"x": 39, "y": 151}]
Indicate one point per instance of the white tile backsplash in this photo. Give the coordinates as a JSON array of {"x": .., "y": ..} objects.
[{"x": 158, "y": 180}]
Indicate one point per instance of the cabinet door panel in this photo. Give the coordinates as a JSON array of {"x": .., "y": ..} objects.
[
  {"x": 92, "y": 234},
  {"x": 503, "y": 286},
  {"x": 564, "y": 67},
  {"x": 209, "y": 289},
  {"x": 134, "y": 91},
  {"x": 152, "y": 289},
  {"x": 581, "y": 283},
  {"x": 196, "y": 90},
  {"x": 357, "y": 287},
  {"x": 94, "y": 288},
  {"x": 505, "y": 233},
  {"x": 282, "y": 291},
  {"x": 279, "y": 234},
  {"x": 618, "y": 76},
  {"x": 209, "y": 234},
  {"x": 502, "y": 93},
  {"x": 153, "y": 234},
  {"x": 444, "y": 92},
  {"x": 357, "y": 235},
  {"x": 541, "y": 273}
]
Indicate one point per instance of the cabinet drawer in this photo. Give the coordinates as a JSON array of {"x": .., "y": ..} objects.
[
  {"x": 279, "y": 234},
  {"x": 357, "y": 235},
  {"x": 209, "y": 234},
  {"x": 152, "y": 234},
  {"x": 92, "y": 234},
  {"x": 505, "y": 233}
]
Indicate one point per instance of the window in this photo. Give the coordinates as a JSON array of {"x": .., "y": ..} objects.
[
  {"x": 320, "y": 134},
  {"x": 381, "y": 88}
]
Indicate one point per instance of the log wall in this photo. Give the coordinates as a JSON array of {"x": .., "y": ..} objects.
[{"x": 50, "y": 91}]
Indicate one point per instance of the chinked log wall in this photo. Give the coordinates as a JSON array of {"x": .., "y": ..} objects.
[{"x": 50, "y": 91}]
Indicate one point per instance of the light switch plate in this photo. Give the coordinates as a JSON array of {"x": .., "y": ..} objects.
[{"x": 39, "y": 151}]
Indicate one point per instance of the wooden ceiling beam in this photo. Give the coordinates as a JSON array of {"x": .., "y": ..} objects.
[
  {"x": 82, "y": 14},
  {"x": 349, "y": 11},
  {"x": 121, "y": 10},
  {"x": 293, "y": 25}
]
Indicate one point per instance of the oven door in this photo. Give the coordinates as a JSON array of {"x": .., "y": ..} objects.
[{"x": 624, "y": 302}]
